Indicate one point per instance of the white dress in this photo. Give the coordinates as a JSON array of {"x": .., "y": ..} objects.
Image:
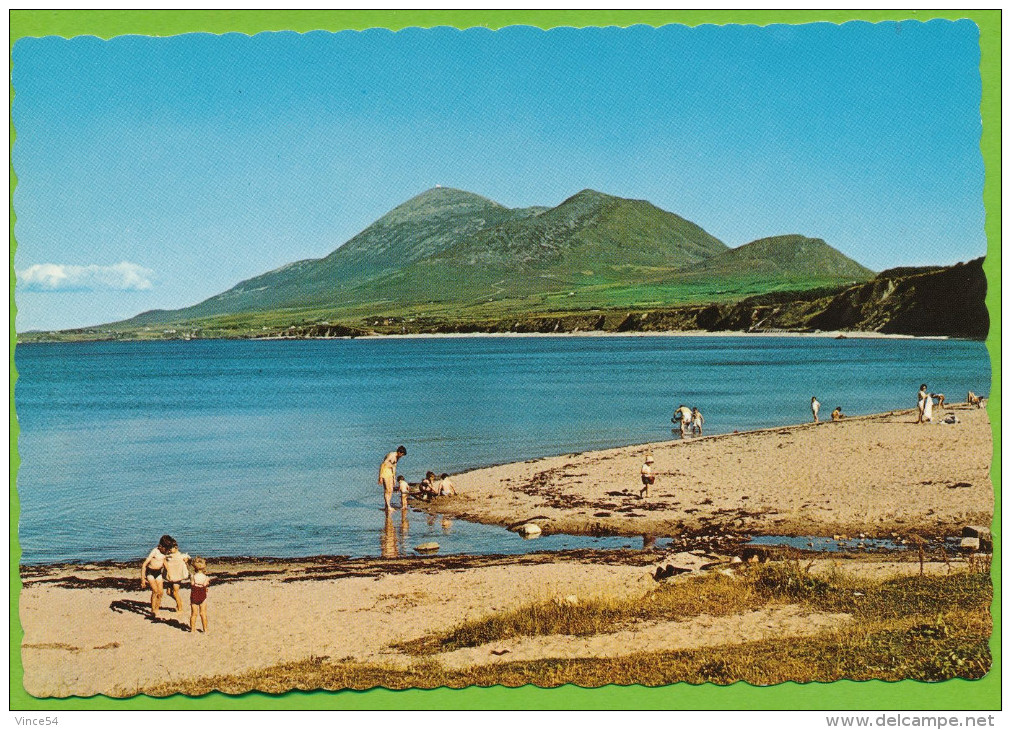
[{"x": 928, "y": 408}]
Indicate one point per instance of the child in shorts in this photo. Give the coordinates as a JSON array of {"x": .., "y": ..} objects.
[
  {"x": 648, "y": 477},
  {"x": 198, "y": 594}
]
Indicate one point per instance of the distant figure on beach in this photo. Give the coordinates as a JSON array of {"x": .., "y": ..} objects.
[
  {"x": 924, "y": 405},
  {"x": 837, "y": 414},
  {"x": 975, "y": 400},
  {"x": 388, "y": 473},
  {"x": 815, "y": 405},
  {"x": 648, "y": 477},
  {"x": 151, "y": 572},
  {"x": 198, "y": 594},
  {"x": 176, "y": 572},
  {"x": 446, "y": 486},
  {"x": 940, "y": 400},
  {"x": 697, "y": 421},
  {"x": 683, "y": 418}
]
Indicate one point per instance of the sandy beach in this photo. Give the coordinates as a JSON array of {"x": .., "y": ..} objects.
[
  {"x": 877, "y": 475},
  {"x": 87, "y": 629}
]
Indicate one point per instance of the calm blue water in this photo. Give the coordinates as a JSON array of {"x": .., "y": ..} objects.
[{"x": 272, "y": 448}]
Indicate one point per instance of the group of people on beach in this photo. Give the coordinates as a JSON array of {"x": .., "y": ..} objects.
[
  {"x": 167, "y": 567},
  {"x": 429, "y": 487},
  {"x": 688, "y": 420},
  {"x": 837, "y": 414}
]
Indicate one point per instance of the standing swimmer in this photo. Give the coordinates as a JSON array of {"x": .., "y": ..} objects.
[{"x": 388, "y": 474}]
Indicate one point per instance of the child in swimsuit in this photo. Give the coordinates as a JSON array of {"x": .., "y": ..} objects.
[
  {"x": 198, "y": 594},
  {"x": 151, "y": 571}
]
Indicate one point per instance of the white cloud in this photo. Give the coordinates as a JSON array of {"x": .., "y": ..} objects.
[{"x": 123, "y": 276}]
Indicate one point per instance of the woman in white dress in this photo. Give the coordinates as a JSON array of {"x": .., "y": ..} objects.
[{"x": 924, "y": 405}]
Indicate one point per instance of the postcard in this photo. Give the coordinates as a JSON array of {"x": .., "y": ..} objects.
[{"x": 647, "y": 353}]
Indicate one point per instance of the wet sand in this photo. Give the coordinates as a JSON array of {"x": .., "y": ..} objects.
[{"x": 876, "y": 475}]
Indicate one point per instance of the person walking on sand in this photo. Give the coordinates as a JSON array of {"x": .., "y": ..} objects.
[
  {"x": 815, "y": 405},
  {"x": 151, "y": 572},
  {"x": 388, "y": 474},
  {"x": 198, "y": 594},
  {"x": 697, "y": 421},
  {"x": 648, "y": 477}
]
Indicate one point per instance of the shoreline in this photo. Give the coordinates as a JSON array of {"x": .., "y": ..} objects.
[
  {"x": 470, "y": 510},
  {"x": 828, "y": 334},
  {"x": 800, "y": 480}
]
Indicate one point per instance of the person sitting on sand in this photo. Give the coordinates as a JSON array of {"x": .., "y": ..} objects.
[
  {"x": 648, "y": 477},
  {"x": 815, "y": 406},
  {"x": 176, "y": 572},
  {"x": 429, "y": 486},
  {"x": 388, "y": 474},
  {"x": 151, "y": 572},
  {"x": 446, "y": 487},
  {"x": 697, "y": 421},
  {"x": 198, "y": 594},
  {"x": 837, "y": 414}
]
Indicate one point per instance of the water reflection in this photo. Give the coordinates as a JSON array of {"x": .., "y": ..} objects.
[{"x": 388, "y": 540}]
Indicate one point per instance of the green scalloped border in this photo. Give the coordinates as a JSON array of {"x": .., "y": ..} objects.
[{"x": 982, "y": 694}]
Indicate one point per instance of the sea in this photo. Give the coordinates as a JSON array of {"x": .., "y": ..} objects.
[{"x": 272, "y": 447}]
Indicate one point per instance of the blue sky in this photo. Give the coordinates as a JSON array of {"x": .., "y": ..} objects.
[{"x": 155, "y": 172}]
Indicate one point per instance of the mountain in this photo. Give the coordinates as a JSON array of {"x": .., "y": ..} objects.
[
  {"x": 783, "y": 258},
  {"x": 420, "y": 227},
  {"x": 451, "y": 261},
  {"x": 590, "y": 241},
  {"x": 451, "y": 246}
]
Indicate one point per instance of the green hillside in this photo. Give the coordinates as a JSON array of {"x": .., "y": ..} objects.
[
  {"x": 781, "y": 258},
  {"x": 585, "y": 246},
  {"x": 450, "y": 260},
  {"x": 448, "y": 247},
  {"x": 418, "y": 228}
]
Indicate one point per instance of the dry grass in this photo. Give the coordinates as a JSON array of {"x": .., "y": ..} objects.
[
  {"x": 926, "y": 628},
  {"x": 713, "y": 594}
]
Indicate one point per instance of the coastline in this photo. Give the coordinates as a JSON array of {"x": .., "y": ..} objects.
[
  {"x": 879, "y": 475},
  {"x": 828, "y": 334},
  {"x": 337, "y": 622}
]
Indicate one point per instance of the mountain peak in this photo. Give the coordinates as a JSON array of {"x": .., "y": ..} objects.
[{"x": 444, "y": 195}]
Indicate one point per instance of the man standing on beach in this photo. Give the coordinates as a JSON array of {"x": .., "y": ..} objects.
[
  {"x": 815, "y": 405},
  {"x": 388, "y": 474}
]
